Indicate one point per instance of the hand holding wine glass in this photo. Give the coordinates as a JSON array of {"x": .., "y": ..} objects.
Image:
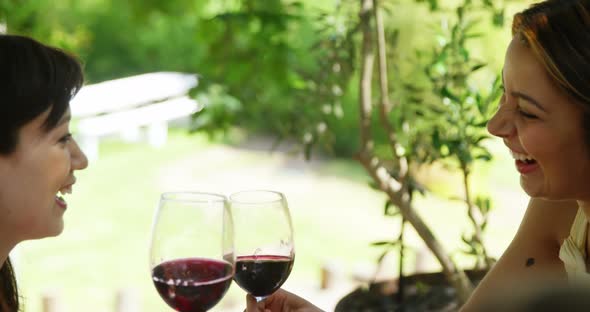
[
  {"x": 279, "y": 301},
  {"x": 264, "y": 241},
  {"x": 191, "y": 250}
]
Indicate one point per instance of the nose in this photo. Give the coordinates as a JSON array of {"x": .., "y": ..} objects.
[
  {"x": 79, "y": 159},
  {"x": 502, "y": 124}
]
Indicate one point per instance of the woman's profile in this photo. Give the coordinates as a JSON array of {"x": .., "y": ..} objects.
[{"x": 38, "y": 155}]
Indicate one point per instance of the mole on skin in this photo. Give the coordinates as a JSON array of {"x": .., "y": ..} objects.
[{"x": 530, "y": 262}]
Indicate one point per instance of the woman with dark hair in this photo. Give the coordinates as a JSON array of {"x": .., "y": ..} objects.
[
  {"x": 544, "y": 120},
  {"x": 38, "y": 155}
]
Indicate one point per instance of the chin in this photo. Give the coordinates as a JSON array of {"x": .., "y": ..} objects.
[
  {"x": 56, "y": 229},
  {"x": 535, "y": 191},
  {"x": 548, "y": 195}
]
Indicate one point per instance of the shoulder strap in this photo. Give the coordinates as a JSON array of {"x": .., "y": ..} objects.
[{"x": 579, "y": 230}]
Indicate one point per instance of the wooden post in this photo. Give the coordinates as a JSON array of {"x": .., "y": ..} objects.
[
  {"x": 327, "y": 277},
  {"x": 331, "y": 275},
  {"x": 127, "y": 300},
  {"x": 51, "y": 302}
]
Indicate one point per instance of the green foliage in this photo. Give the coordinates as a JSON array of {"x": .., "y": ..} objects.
[
  {"x": 285, "y": 63},
  {"x": 459, "y": 130},
  {"x": 290, "y": 62},
  {"x": 462, "y": 110},
  {"x": 442, "y": 112},
  {"x": 220, "y": 111}
]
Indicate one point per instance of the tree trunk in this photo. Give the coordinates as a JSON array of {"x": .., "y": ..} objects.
[{"x": 387, "y": 183}]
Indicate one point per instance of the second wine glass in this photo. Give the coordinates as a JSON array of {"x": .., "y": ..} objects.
[{"x": 263, "y": 241}]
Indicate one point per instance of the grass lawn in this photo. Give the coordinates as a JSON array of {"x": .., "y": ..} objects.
[{"x": 335, "y": 214}]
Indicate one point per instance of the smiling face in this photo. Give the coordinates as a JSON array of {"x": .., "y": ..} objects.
[
  {"x": 542, "y": 127},
  {"x": 42, "y": 164}
]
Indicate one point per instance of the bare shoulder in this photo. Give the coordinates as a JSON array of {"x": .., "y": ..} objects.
[
  {"x": 548, "y": 221},
  {"x": 543, "y": 228},
  {"x": 533, "y": 254}
]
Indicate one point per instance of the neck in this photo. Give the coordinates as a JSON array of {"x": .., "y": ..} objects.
[
  {"x": 7, "y": 243},
  {"x": 4, "y": 251}
]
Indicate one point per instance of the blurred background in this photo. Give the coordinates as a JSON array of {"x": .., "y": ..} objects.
[{"x": 277, "y": 95}]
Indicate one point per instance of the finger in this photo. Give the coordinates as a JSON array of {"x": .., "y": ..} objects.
[{"x": 251, "y": 305}]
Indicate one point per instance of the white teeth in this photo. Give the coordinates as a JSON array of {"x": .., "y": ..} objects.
[
  {"x": 521, "y": 157},
  {"x": 64, "y": 191}
]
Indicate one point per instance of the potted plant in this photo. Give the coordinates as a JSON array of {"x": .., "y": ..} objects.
[{"x": 438, "y": 117}]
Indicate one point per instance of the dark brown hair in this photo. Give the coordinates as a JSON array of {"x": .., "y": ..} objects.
[
  {"x": 9, "y": 299},
  {"x": 558, "y": 32},
  {"x": 33, "y": 78}
]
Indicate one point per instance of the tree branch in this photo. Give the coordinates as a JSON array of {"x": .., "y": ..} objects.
[
  {"x": 366, "y": 76},
  {"x": 471, "y": 211},
  {"x": 385, "y": 105},
  {"x": 456, "y": 277}
]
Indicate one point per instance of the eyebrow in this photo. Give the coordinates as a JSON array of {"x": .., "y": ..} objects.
[
  {"x": 523, "y": 96},
  {"x": 529, "y": 99}
]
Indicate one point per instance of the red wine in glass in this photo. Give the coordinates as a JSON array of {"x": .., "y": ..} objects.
[
  {"x": 191, "y": 255},
  {"x": 264, "y": 246},
  {"x": 262, "y": 275},
  {"x": 193, "y": 284}
]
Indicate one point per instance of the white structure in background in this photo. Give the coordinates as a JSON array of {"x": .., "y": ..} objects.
[{"x": 125, "y": 106}]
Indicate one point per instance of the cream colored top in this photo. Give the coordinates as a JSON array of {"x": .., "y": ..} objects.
[{"x": 573, "y": 250}]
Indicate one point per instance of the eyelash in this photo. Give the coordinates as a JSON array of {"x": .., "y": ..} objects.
[
  {"x": 66, "y": 138},
  {"x": 526, "y": 115},
  {"x": 520, "y": 111}
]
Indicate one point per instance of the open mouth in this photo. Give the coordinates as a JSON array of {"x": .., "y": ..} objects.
[
  {"x": 523, "y": 158},
  {"x": 59, "y": 199},
  {"x": 525, "y": 164}
]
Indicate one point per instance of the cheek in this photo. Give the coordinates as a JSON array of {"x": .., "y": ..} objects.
[
  {"x": 25, "y": 215},
  {"x": 534, "y": 141},
  {"x": 28, "y": 195},
  {"x": 563, "y": 155}
]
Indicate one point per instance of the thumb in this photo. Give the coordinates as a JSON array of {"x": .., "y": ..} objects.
[{"x": 252, "y": 305}]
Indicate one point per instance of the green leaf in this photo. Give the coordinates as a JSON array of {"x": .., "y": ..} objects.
[
  {"x": 477, "y": 67},
  {"x": 473, "y": 35},
  {"x": 386, "y": 243},
  {"x": 498, "y": 18},
  {"x": 390, "y": 209},
  {"x": 467, "y": 240},
  {"x": 481, "y": 124},
  {"x": 445, "y": 92},
  {"x": 484, "y": 157},
  {"x": 480, "y": 138}
]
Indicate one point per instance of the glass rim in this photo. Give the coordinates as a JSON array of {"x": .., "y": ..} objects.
[
  {"x": 192, "y": 196},
  {"x": 280, "y": 197}
]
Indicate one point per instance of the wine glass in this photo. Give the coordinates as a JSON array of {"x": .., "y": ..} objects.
[
  {"x": 265, "y": 251},
  {"x": 191, "y": 250}
]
